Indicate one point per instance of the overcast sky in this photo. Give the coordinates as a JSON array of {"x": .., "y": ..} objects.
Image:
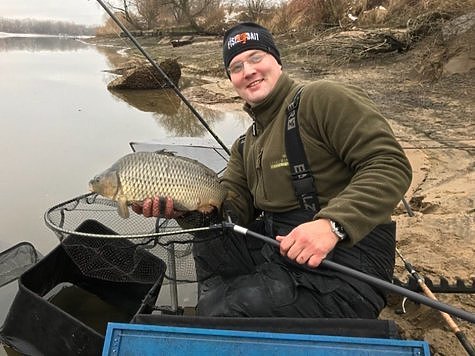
[{"x": 85, "y": 12}]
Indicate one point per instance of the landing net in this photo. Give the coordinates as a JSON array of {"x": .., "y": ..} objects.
[
  {"x": 16, "y": 260},
  {"x": 103, "y": 245}
]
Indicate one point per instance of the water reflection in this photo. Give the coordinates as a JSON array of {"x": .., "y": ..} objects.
[
  {"x": 36, "y": 44},
  {"x": 113, "y": 56},
  {"x": 161, "y": 101},
  {"x": 169, "y": 111},
  {"x": 186, "y": 124}
]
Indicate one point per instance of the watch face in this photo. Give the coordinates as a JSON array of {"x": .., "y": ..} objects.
[{"x": 338, "y": 230}]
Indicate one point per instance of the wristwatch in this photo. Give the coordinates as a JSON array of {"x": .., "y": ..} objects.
[{"x": 338, "y": 230}]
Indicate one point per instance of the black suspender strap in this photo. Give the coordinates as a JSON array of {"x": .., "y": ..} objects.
[{"x": 302, "y": 177}]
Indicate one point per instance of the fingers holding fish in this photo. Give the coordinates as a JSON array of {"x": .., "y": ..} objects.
[
  {"x": 160, "y": 207},
  {"x": 137, "y": 207},
  {"x": 147, "y": 209}
]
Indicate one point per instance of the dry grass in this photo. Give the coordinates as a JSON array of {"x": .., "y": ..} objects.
[{"x": 315, "y": 15}]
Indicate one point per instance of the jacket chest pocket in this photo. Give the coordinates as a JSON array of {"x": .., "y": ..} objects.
[{"x": 275, "y": 179}]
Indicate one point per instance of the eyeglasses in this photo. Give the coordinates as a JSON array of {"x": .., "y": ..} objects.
[{"x": 238, "y": 67}]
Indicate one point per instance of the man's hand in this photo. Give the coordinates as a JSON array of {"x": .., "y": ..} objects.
[
  {"x": 308, "y": 243},
  {"x": 157, "y": 207}
]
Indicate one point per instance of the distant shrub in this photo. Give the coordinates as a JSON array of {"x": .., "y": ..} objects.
[
  {"x": 214, "y": 21},
  {"x": 111, "y": 28}
]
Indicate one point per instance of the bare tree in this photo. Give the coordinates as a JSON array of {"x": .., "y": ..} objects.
[
  {"x": 192, "y": 11},
  {"x": 145, "y": 13},
  {"x": 148, "y": 11},
  {"x": 255, "y": 9},
  {"x": 124, "y": 7}
]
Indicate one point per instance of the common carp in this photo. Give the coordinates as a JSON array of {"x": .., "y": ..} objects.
[{"x": 140, "y": 175}]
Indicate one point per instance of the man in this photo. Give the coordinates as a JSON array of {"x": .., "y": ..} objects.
[{"x": 323, "y": 170}]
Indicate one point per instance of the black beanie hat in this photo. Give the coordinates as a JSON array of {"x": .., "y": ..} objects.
[{"x": 246, "y": 36}]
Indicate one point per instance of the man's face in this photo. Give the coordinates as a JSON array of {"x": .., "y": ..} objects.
[{"x": 254, "y": 74}]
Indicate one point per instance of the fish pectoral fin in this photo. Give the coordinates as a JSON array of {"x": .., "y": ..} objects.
[
  {"x": 206, "y": 209},
  {"x": 209, "y": 206},
  {"x": 122, "y": 207}
]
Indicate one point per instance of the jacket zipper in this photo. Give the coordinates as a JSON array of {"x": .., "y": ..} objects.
[{"x": 260, "y": 188}]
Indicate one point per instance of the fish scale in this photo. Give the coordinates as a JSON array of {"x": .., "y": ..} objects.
[{"x": 141, "y": 175}]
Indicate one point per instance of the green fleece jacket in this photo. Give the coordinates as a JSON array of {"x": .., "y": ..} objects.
[{"x": 360, "y": 170}]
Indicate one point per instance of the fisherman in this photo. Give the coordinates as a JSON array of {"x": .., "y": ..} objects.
[{"x": 321, "y": 171}]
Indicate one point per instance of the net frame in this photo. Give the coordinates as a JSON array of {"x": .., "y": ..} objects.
[{"x": 164, "y": 238}]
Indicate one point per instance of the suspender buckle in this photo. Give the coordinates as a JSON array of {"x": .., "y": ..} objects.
[{"x": 303, "y": 185}]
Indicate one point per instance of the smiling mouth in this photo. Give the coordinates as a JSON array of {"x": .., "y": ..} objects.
[{"x": 254, "y": 83}]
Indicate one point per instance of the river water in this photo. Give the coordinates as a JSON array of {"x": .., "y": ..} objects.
[{"x": 60, "y": 126}]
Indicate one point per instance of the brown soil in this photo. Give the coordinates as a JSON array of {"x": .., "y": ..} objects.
[{"x": 430, "y": 107}]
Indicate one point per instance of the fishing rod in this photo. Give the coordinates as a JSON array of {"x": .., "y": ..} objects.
[
  {"x": 448, "y": 319},
  {"x": 165, "y": 76},
  {"x": 362, "y": 276}
]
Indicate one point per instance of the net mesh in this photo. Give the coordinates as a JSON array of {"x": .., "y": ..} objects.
[
  {"x": 16, "y": 260},
  {"x": 103, "y": 245}
]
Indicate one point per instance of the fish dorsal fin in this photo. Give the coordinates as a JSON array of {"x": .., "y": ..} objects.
[
  {"x": 188, "y": 159},
  {"x": 165, "y": 152},
  {"x": 205, "y": 168}
]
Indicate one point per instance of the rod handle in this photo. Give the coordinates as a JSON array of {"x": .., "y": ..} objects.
[{"x": 465, "y": 343}]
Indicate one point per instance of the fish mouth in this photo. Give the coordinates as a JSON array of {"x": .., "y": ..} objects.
[{"x": 91, "y": 185}]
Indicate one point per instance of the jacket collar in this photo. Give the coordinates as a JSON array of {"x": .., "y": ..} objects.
[{"x": 264, "y": 112}]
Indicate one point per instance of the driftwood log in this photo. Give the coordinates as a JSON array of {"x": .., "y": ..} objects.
[{"x": 183, "y": 41}]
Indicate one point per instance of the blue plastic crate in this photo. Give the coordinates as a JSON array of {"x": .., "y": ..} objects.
[{"x": 136, "y": 339}]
